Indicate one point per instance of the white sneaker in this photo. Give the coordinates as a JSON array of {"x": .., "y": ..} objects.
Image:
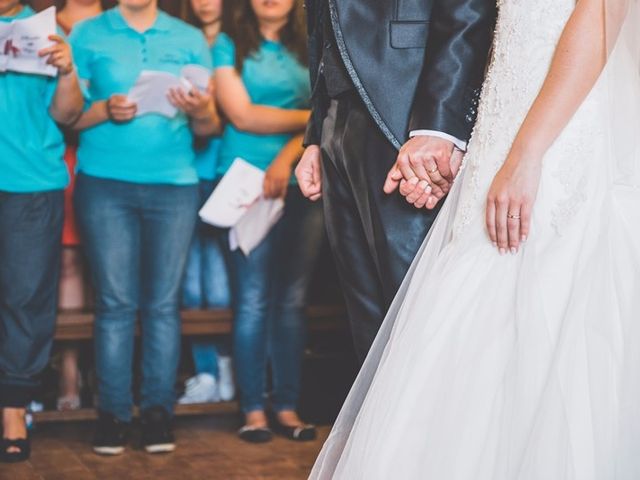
[
  {"x": 226, "y": 385},
  {"x": 203, "y": 388}
]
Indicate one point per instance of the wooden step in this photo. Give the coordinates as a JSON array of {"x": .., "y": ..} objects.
[
  {"x": 78, "y": 325},
  {"x": 86, "y": 414}
]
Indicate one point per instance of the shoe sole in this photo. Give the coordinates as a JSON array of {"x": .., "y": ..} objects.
[
  {"x": 111, "y": 451},
  {"x": 160, "y": 448}
]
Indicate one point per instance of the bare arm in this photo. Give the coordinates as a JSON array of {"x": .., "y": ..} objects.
[
  {"x": 66, "y": 104},
  {"x": 236, "y": 104},
  {"x": 578, "y": 62}
]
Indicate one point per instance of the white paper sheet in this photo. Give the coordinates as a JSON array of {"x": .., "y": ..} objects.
[
  {"x": 21, "y": 40},
  {"x": 238, "y": 190},
  {"x": 151, "y": 89},
  {"x": 256, "y": 224}
]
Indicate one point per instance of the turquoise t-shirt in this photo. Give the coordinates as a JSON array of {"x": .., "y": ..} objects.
[
  {"x": 207, "y": 151},
  {"x": 273, "y": 76},
  {"x": 110, "y": 55},
  {"x": 31, "y": 144}
]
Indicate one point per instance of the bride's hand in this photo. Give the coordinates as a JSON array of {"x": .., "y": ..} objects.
[{"x": 510, "y": 201}]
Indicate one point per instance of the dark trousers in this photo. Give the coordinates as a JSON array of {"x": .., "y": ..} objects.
[
  {"x": 30, "y": 249},
  {"x": 374, "y": 236}
]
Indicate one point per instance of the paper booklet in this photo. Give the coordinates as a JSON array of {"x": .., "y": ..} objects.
[
  {"x": 237, "y": 203},
  {"x": 21, "y": 40},
  {"x": 151, "y": 89}
]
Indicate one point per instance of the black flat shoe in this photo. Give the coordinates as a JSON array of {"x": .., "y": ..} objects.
[
  {"x": 302, "y": 433},
  {"x": 255, "y": 434},
  {"x": 22, "y": 444}
]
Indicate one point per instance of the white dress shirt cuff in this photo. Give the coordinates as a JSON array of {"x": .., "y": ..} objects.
[{"x": 460, "y": 145}]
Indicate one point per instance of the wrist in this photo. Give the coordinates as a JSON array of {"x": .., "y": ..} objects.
[{"x": 67, "y": 71}]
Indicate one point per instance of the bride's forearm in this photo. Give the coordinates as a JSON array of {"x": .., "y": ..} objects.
[{"x": 579, "y": 59}]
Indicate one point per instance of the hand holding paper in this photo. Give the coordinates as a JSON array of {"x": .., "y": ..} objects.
[
  {"x": 22, "y": 41},
  {"x": 151, "y": 91}
]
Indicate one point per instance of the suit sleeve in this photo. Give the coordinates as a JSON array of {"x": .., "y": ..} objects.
[
  {"x": 456, "y": 55},
  {"x": 319, "y": 99}
]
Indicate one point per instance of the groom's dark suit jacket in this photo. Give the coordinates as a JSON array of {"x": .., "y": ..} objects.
[{"x": 417, "y": 64}]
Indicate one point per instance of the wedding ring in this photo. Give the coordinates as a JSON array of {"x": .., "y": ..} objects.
[
  {"x": 432, "y": 171},
  {"x": 514, "y": 216}
]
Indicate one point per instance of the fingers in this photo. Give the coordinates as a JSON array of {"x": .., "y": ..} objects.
[
  {"x": 309, "y": 174},
  {"x": 439, "y": 185},
  {"x": 456, "y": 162},
  {"x": 525, "y": 221},
  {"x": 513, "y": 227},
  {"x": 392, "y": 181},
  {"x": 121, "y": 109},
  {"x": 443, "y": 162},
  {"x": 502, "y": 233},
  {"x": 491, "y": 221}
]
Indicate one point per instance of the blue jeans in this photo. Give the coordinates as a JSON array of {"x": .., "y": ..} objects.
[
  {"x": 30, "y": 234},
  {"x": 270, "y": 289},
  {"x": 137, "y": 238},
  {"x": 206, "y": 284}
]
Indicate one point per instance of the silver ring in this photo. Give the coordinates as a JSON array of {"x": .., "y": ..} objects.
[{"x": 513, "y": 216}]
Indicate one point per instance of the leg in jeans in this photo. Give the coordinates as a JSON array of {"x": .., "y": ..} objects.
[
  {"x": 30, "y": 239},
  {"x": 298, "y": 237},
  {"x": 251, "y": 283},
  {"x": 214, "y": 285},
  {"x": 106, "y": 211},
  {"x": 168, "y": 216}
]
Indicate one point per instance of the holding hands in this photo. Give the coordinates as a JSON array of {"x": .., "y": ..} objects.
[{"x": 424, "y": 170}]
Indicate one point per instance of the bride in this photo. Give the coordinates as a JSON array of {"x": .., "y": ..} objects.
[{"x": 512, "y": 351}]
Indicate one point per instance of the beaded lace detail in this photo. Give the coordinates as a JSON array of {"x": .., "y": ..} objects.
[{"x": 524, "y": 44}]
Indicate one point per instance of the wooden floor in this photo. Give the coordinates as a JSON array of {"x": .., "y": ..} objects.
[{"x": 208, "y": 449}]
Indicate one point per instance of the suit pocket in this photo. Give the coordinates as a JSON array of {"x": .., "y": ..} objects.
[{"x": 409, "y": 34}]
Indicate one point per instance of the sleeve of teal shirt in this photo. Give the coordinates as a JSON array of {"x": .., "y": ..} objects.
[
  {"x": 82, "y": 58},
  {"x": 224, "y": 52}
]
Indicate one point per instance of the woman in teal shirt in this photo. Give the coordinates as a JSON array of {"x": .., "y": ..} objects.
[
  {"x": 262, "y": 85},
  {"x": 136, "y": 199},
  {"x": 32, "y": 179}
]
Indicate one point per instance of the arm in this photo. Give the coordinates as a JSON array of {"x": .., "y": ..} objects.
[
  {"x": 443, "y": 110},
  {"x": 579, "y": 60},
  {"x": 456, "y": 56},
  {"x": 278, "y": 174},
  {"x": 67, "y": 102},
  {"x": 236, "y": 104}
]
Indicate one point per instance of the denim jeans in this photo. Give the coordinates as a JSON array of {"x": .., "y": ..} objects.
[
  {"x": 137, "y": 238},
  {"x": 269, "y": 290},
  {"x": 206, "y": 284},
  {"x": 30, "y": 250}
]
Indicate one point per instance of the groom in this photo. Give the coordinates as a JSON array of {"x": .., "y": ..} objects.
[{"x": 395, "y": 89}]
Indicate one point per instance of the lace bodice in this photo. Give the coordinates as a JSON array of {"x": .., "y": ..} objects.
[{"x": 525, "y": 40}]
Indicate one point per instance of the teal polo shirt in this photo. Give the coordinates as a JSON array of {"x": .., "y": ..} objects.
[
  {"x": 207, "y": 151},
  {"x": 31, "y": 144},
  {"x": 273, "y": 76},
  {"x": 110, "y": 55}
]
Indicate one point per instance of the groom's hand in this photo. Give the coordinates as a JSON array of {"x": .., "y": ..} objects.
[
  {"x": 309, "y": 173},
  {"x": 423, "y": 171}
]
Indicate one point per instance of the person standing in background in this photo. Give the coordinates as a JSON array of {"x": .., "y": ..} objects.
[
  {"x": 72, "y": 294},
  {"x": 136, "y": 200},
  {"x": 31, "y": 211},
  {"x": 262, "y": 86},
  {"x": 206, "y": 282}
]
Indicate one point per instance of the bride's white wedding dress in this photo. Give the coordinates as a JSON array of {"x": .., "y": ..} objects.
[{"x": 522, "y": 366}]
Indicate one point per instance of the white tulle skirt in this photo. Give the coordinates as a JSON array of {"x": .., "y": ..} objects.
[{"x": 515, "y": 367}]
